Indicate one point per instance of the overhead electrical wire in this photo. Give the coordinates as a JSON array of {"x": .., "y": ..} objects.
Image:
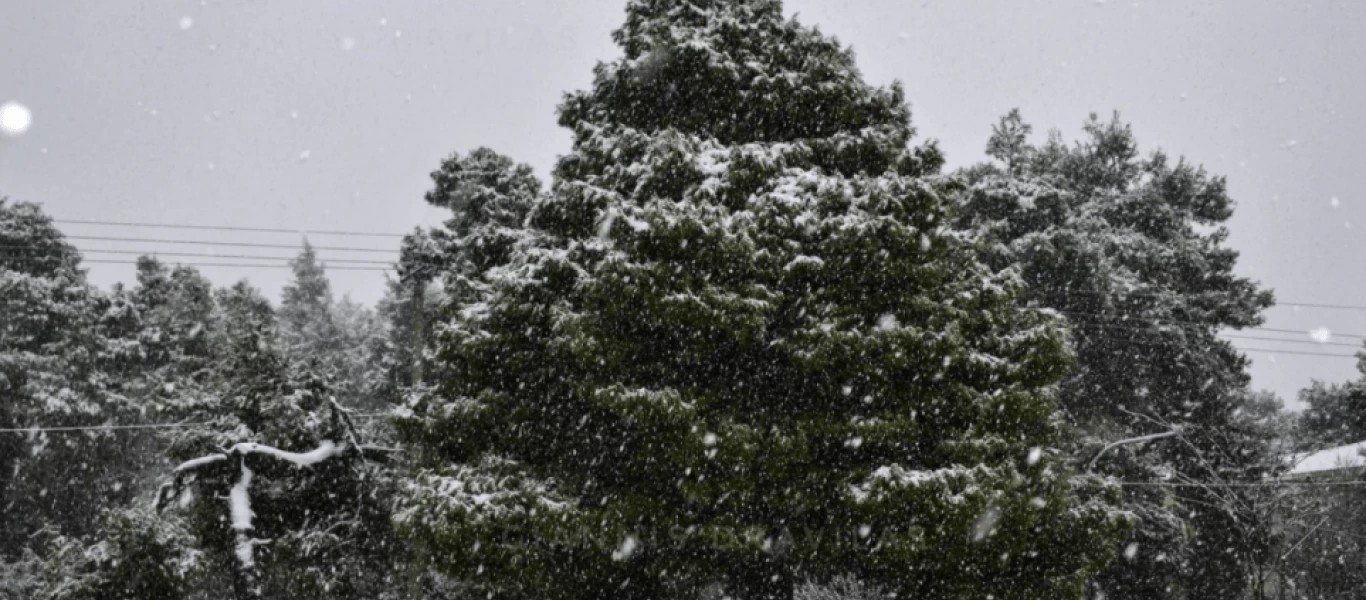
[
  {"x": 203, "y": 264},
  {"x": 157, "y": 253},
  {"x": 140, "y": 426},
  {"x": 235, "y": 244},
  {"x": 227, "y": 228}
]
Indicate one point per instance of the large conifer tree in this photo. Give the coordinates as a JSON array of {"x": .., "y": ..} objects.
[
  {"x": 1131, "y": 250},
  {"x": 54, "y": 371},
  {"x": 738, "y": 347}
]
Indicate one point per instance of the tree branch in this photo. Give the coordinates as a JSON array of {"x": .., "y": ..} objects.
[{"x": 1090, "y": 466}]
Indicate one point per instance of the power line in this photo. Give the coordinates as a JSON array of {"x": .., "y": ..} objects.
[
  {"x": 102, "y": 427},
  {"x": 1289, "y": 304},
  {"x": 1310, "y": 342},
  {"x": 228, "y": 228},
  {"x": 157, "y": 253},
  {"x": 202, "y": 264},
  {"x": 1178, "y": 293},
  {"x": 238, "y": 244},
  {"x": 1188, "y": 323},
  {"x": 1352, "y": 356},
  {"x": 1249, "y": 484},
  {"x": 143, "y": 426}
]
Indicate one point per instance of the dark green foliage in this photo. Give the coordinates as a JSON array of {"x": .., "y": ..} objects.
[
  {"x": 1335, "y": 414},
  {"x": 134, "y": 554},
  {"x": 54, "y": 371},
  {"x": 737, "y": 346},
  {"x": 328, "y": 523},
  {"x": 1131, "y": 250}
]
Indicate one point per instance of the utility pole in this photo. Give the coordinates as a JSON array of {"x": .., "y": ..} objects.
[{"x": 419, "y": 327}]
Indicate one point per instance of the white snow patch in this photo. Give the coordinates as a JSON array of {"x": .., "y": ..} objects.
[
  {"x": 1332, "y": 459},
  {"x": 887, "y": 322},
  {"x": 190, "y": 465},
  {"x": 324, "y": 451},
  {"x": 239, "y": 501}
]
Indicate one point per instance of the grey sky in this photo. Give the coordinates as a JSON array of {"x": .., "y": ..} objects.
[{"x": 137, "y": 118}]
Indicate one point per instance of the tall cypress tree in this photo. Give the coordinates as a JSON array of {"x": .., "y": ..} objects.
[{"x": 737, "y": 347}]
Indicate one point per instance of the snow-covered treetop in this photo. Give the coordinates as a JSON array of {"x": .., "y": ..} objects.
[
  {"x": 483, "y": 187},
  {"x": 735, "y": 71},
  {"x": 34, "y": 246}
]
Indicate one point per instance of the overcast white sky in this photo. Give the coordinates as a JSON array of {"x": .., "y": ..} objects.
[{"x": 328, "y": 115}]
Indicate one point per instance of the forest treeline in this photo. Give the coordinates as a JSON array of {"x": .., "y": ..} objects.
[{"x": 752, "y": 341}]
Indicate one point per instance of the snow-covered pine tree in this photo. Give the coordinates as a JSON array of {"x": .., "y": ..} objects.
[
  {"x": 277, "y": 490},
  {"x": 738, "y": 347},
  {"x": 1131, "y": 250},
  {"x": 53, "y": 373},
  {"x": 334, "y": 340}
]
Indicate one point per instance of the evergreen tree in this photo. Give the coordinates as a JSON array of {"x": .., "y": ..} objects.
[
  {"x": 737, "y": 347},
  {"x": 332, "y": 339},
  {"x": 54, "y": 373},
  {"x": 1335, "y": 414},
  {"x": 1131, "y": 250},
  {"x": 328, "y": 522}
]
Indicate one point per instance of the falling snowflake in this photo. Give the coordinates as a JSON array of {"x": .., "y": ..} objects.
[
  {"x": 710, "y": 439},
  {"x": 305, "y": 154},
  {"x": 1321, "y": 335},
  {"x": 15, "y": 118},
  {"x": 1035, "y": 454},
  {"x": 986, "y": 523},
  {"x": 1334, "y": 201},
  {"x": 886, "y": 322},
  {"x": 1131, "y": 550},
  {"x": 864, "y": 530},
  {"x": 627, "y": 547},
  {"x": 186, "y": 23},
  {"x": 348, "y": 43}
]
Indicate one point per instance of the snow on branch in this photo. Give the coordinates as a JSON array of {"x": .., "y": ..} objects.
[
  {"x": 190, "y": 468},
  {"x": 1090, "y": 466}
]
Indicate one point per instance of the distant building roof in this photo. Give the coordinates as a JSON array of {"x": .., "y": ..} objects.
[{"x": 1332, "y": 459}]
